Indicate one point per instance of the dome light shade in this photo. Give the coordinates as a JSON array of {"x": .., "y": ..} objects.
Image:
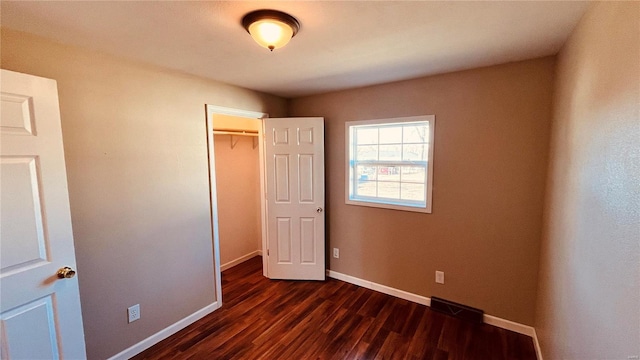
[{"x": 271, "y": 29}]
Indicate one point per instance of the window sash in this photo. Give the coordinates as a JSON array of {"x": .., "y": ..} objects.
[{"x": 354, "y": 181}]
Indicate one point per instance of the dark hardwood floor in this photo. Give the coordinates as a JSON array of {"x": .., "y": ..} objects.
[{"x": 272, "y": 319}]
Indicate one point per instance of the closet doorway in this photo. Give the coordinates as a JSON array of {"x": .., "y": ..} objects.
[
  {"x": 238, "y": 184},
  {"x": 236, "y": 174}
]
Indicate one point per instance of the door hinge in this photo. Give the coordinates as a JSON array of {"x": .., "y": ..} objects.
[{"x": 267, "y": 252}]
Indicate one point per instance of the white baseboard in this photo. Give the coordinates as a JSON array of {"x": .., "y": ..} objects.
[
  {"x": 380, "y": 288},
  {"x": 489, "y": 319},
  {"x": 239, "y": 260},
  {"x": 164, "y": 333},
  {"x": 509, "y": 325}
]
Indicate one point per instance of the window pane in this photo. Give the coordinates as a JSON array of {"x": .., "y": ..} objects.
[
  {"x": 416, "y": 133},
  {"x": 415, "y": 174},
  {"x": 413, "y": 192},
  {"x": 389, "y": 173},
  {"x": 414, "y": 152},
  {"x": 390, "y": 152},
  {"x": 389, "y": 190},
  {"x": 391, "y": 135},
  {"x": 366, "y": 136},
  {"x": 367, "y": 152},
  {"x": 365, "y": 173},
  {"x": 366, "y": 188}
]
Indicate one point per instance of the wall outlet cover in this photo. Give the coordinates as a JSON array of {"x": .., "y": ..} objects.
[{"x": 133, "y": 313}]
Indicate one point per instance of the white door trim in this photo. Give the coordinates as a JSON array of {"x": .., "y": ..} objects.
[{"x": 210, "y": 111}]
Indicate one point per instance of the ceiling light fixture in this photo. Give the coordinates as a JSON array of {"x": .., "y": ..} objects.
[{"x": 271, "y": 29}]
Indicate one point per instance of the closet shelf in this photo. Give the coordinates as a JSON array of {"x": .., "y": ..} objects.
[
  {"x": 251, "y": 133},
  {"x": 236, "y": 132}
]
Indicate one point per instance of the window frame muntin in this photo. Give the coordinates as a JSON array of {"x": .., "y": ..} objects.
[{"x": 429, "y": 164}]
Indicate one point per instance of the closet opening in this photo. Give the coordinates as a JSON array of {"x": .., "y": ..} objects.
[{"x": 236, "y": 180}]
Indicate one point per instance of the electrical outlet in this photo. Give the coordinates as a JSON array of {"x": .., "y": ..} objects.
[
  {"x": 134, "y": 313},
  {"x": 440, "y": 277},
  {"x": 336, "y": 253}
]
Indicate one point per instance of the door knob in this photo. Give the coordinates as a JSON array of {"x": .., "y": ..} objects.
[
  {"x": 319, "y": 210},
  {"x": 66, "y": 273}
]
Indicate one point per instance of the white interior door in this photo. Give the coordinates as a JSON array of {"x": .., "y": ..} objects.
[
  {"x": 40, "y": 315},
  {"x": 294, "y": 149}
]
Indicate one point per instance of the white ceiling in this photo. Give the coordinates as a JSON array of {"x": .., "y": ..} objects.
[{"x": 341, "y": 44}]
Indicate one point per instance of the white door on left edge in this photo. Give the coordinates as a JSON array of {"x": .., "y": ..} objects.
[
  {"x": 294, "y": 164},
  {"x": 40, "y": 315}
]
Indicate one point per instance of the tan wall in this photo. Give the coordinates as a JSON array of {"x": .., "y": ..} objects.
[
  {"x": 136, "y": 154},
  {"x": 238, "y": 185},
  {"x": 490, "y": 160},
  {"x": 589, "y": 294}
]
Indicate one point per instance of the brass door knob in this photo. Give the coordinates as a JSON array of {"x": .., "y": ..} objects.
[
  {"x": 66, "y": 273},
  {"x": 319, "y": 210}
]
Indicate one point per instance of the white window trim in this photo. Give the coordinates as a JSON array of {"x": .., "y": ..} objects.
[{"x": 429, "y": 183}]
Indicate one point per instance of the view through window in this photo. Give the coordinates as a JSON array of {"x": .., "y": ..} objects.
[{"x": 389, "y": 163}]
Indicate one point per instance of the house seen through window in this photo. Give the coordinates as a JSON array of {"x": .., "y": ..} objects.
[{"x": 389, "y": 163}]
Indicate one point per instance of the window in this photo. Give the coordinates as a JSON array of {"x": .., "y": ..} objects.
[{"x": 389, "y": 163}]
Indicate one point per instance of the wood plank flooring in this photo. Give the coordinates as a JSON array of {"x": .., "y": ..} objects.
[{"x": 272, "y": 319}]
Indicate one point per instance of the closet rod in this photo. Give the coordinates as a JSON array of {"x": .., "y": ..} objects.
[{"x": 236, "y": 132}]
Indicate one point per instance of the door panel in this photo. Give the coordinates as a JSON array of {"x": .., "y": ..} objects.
[
  {"x": 294, "y": 149},
  {"x": 305, "y": 178},
  {"x": 308, "y": 240},
  {"x": 40, "y": 315},
  {"x": 21, "y": 213},
  {"x": 284, "y": 240},
  {"x": 26, "y": 340},
  {"x": 283, "y": 192},
  {"x": 16, "y": 115}
]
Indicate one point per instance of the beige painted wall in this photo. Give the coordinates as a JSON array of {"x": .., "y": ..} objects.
[
  {"x": 490, "y": 161},
  {"x": 589, "y": 295},
  {"x": 136, "y": 154},
  {"x": 238, "y": 185}
]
